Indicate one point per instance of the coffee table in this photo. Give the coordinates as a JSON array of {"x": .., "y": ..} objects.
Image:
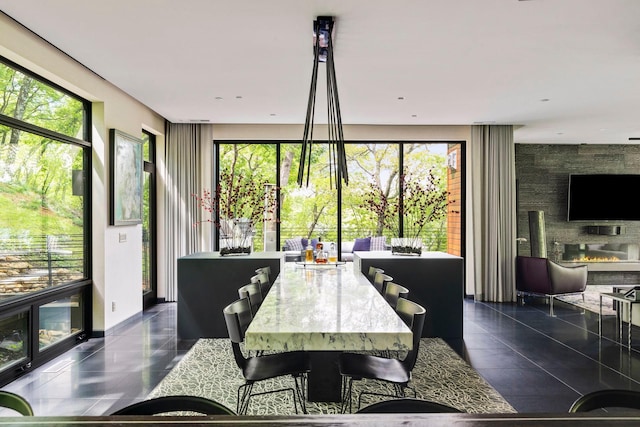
[{"x": 621, "y": 300}]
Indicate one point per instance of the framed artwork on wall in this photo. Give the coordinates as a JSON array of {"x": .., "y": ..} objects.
[{"x": 125, "y": 170}]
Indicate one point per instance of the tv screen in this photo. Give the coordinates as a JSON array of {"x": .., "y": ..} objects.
[{"x": 603, "y": 197}]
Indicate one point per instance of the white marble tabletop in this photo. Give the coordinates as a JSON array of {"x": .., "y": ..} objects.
[{"x": 326, "y": 308}]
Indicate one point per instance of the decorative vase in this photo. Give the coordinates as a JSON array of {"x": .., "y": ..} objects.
[
  {"x": 236, "y": 250},
  {"x": 406, "y": 246},
  {"x": 237, "y": 237}
]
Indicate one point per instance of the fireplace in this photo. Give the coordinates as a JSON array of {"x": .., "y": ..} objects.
[
  {"x": 604, "y": 257},
  {"x": 601, "y": 252}
]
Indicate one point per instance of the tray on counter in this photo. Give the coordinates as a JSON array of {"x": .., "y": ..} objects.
[{"x": 305, "y": 264}]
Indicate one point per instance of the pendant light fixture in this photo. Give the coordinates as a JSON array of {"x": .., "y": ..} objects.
[{"x": 323, "y": 28}]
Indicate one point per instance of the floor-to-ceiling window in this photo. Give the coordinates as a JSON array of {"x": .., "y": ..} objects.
[
  {"x": 44, "y": 225},
  {"x": 311, "y": 210},
  {"x": 377, "y": 170},
  {"x": 149, "y": 257},
  {"x": 245, "y": 207}
]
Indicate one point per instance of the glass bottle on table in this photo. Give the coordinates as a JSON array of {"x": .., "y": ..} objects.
[
  {"x": 321, "y": 254},
  {"x": 333, "y": 254},
  {"x": 308, "y": 254},
  {"x": 321, "y": 257}
]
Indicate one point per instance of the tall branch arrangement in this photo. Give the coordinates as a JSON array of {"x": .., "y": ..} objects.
[
  {"x": 241, "y": 203},
  {"x": 423, "y": 202}
]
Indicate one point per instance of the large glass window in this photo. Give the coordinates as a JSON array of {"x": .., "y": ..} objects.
[
  {"x": 14, "y": 342},
  {"x": 246, "y": 196},
  {"x": 373, "y": 169},
  {"x": 148, "y": 220},
  {"x": 42, "y": 221},
  {"x": 308, "y": 211},
  {"x": 60, "y": 319},
  {"x": 39, "y": 103},
  {"x": 45, "y": 161},
  {"x": 42, "y": 185},
  {"x": 384, "y": 197}
]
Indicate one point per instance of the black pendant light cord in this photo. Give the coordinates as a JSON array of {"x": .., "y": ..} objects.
[{"x": 337, "y": 155}]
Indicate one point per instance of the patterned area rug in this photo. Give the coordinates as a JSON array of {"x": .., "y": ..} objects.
[
  {"x": 209, "y": 370},
  {"x": 592, "y": 300}
]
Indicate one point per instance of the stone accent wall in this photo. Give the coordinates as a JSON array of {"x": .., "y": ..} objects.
[{"x": 542, "y": 173}]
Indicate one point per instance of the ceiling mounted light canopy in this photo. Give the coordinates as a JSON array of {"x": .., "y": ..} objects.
[{"x": 323, "y": 52}]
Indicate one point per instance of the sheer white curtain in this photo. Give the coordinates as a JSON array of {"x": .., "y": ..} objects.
[
  {"x": 493, "y": 183},
  {"x": 189, "y": 163}
]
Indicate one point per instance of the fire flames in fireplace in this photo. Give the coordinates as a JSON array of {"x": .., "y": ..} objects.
[{"x": 586, "y": 258}]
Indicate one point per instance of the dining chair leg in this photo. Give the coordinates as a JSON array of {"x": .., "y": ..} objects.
[
  {"x": 244, "y": 395},
  {"x": 347, "y": 393},
  {"x": 299, "y": 393}
]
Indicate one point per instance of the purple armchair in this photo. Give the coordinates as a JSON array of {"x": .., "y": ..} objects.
[{"x": 543, "y": 277}]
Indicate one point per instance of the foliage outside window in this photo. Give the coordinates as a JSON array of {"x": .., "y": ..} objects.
[
  {"x": 42, "y": 176},
  {"x": 424, "y": 202},
  {"x": 313, "y": 211}
]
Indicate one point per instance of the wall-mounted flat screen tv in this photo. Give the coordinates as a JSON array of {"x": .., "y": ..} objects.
[{"x": 603, "y": 197}]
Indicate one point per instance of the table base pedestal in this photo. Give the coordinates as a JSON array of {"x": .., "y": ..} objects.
[{"x": 324, "y": 383}]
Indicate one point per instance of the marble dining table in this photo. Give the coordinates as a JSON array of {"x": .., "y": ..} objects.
[{"x": 325, "y": 309}]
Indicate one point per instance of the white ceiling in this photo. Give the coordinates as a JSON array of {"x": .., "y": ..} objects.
[{"x": 454, "y": 61}]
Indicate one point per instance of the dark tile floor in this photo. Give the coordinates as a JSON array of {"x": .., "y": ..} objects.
[{"x": 537, "y": 362}]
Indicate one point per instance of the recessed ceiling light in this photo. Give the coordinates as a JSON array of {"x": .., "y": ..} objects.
[
  {"x": 560, "y": 133},
  {"x": 218, "y": 98},
  {"x": 544, "y": 100},
  {"x": 414, "y": 115},
  {"x": 272, "y": 114},
  {"x": 401, "y": 98},
  {"x": 238, "y": 96}
]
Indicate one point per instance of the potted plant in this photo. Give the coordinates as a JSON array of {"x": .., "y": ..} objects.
[
  {"x": 422, "y": 201},
  {"x": 236, "y": 206}
]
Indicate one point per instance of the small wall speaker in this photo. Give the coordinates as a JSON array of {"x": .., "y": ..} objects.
[{"x": 605, "y": 230}]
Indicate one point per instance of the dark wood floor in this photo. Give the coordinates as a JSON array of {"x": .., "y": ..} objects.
[{"x": 537, "y": 362}]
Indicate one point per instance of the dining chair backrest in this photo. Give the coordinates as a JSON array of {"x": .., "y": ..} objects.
[
  {"x": 266, "y": 270},
  {"x": 393, "y": 292},
  {"x": 608, "y": 398},
  {"x": 16, "y": 402},
  {"x": 180, "y": 403},
  {"x": 237, "y": 316},
  {"x": 380, "y": 280},
  {"x": 263, "y": 280},
  {"x": 406, "y": 406},
  {"x": 372, "y": 272},
  {"x": 413, "y": 315},
  {"x": 253, "y": 292}
]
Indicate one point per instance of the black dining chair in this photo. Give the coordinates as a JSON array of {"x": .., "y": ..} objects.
[
  {"x": 371, "y": 274},
  {"x": 397, "y": 372},
  {"x": 393, "y": 292},
  {"x": 266, "y": 270},
  {"x": 296, "y": 364},
  {"x": 178, "y": 403},
  {"x": 264, "y": 281},
  {"x": 406, "y": 406},
  {"x": 602, "y": 399},
  {"x": 380, "y": 280},
  {"x": 253, "y": 292},
  {"x": 16, "y": 402}
]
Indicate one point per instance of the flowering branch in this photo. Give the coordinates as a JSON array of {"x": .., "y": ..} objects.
[
  {"x": 422, "y": 202},
  {"x": 241, "y": 203}
]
